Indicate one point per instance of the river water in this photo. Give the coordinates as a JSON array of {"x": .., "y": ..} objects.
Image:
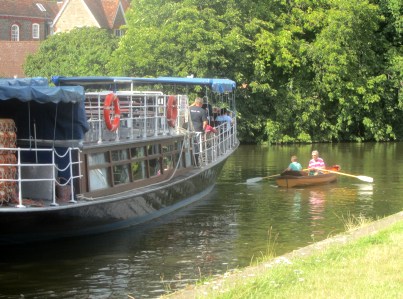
[{"x": 235, "y": 224}]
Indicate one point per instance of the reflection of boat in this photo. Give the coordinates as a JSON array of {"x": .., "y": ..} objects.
[
  {"x": 291, "y": 179},
  {"x": 77, "y": 163}
]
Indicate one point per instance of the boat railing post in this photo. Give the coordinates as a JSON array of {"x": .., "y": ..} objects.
[
  {"x": 130, "y": 120},
  {"x": 99, "y": 120},
  {"x": 161, "y": 116},
  {"x": 145, "y": 117},
  {"x": 20, "y": 205},
  {"x": 216, "y": 149},
  {"x": 207, "y": 148},
  {"x": 54, "y": 203},
  {"x": 156, "y": 118},
  {"x": 71, "y": 177}
]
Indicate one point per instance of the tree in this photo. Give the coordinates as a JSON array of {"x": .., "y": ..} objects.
[
  {"x": 179, "y": 38},
  {"x": 323, "y": 70},
  {"x": 80, "y": 52}
]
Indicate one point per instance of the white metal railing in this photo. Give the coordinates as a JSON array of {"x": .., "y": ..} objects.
[
  {"x": 143, "y": 114},
  {"x": 208, "y": 147},
  {"x": 18, "y": 179}
]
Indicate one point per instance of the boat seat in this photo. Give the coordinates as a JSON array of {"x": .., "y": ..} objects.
[{"x": 293, "y": 173}]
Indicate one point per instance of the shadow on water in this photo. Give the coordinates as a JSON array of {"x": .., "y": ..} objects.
[{"x": 228, "y": 229}]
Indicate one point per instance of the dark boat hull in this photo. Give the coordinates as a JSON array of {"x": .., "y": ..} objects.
[
  {"x": 290, "y": 181},
  {"x": 102, "y": 215}
]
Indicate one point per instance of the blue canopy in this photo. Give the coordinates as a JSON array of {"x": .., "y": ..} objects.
[
  {"x": 217, "y": 85},
  {"x": 58, "y": 112},
  {"x": 39, "y": 81},
  {"x": 37, "y": 89}
]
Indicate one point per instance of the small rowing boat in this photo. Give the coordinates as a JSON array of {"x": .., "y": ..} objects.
[{"x": 290, "y": 179}]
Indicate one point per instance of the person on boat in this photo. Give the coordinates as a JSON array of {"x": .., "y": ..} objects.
[
  {"x": 294, "y": 165},
  {"x": 224, "y": 118},
  {"x": 199, "y": 120},
  {"x": 316, "y": 164},
  {"x": 198, "y": 115}
]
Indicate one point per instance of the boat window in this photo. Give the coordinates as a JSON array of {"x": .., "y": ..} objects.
[
  {"x": 178, "y": 145},
  {"x": 120, "y": 155},
  {"x": 121, "y": 174},
  {"x": 97, "y": 158},
  {"x": 153, "y": 149},
  {"x": 181, "y": 162},
  {"x": 137, "y": 152},
  {"x": 167, "y": 148},
  {"x": 138, "y": 170},
  {"x": 131, "y": 164},
  {"x": 99, "y": 179},
  {"x": 154, "y": 167},
  {"x": 168, "y": 162}
]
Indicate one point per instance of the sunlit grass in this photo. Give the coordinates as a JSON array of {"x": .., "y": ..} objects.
[
  {"x": 368, "y": 268},
  {"x": 352, "y": 222},
  {"x": 270, "y": 249}
]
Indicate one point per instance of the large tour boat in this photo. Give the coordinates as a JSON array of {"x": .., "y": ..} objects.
[{"x": 96, "y": 154}]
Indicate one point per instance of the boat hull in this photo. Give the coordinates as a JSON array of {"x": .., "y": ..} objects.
[
  {"x": 103, "y": 215},
  {"x": 291, "y": 181}
]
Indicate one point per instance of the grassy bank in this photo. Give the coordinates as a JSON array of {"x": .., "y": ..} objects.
[{"x": 370, "y": 266}]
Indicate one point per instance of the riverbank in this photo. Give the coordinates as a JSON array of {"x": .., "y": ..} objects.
[{"x": 362, "y": 263}]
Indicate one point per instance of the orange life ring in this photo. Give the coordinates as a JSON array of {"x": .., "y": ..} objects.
[
  {"x": 110, "y": 99},
  {"x": 172, "y": 111}
]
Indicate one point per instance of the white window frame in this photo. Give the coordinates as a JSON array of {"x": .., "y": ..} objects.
[
  {"x": 35, "y": 31},
  {"x": 119, "y": 32},
  {"x": 15, "y": 33}
]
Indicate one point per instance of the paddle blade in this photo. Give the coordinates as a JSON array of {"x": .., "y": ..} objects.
[
  {"x": 365, "y": 178},
  {"x": 254, "y": 180}
]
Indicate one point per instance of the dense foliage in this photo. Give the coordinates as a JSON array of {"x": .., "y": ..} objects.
[
  {"x": 307, "y": 70},
  {"x": 80, "y": 52}
]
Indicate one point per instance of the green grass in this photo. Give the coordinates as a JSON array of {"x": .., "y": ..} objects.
[{"x": 370, "y": 267}]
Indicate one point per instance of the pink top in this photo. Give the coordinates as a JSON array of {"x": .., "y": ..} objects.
[{"x": 318, "y": 163}]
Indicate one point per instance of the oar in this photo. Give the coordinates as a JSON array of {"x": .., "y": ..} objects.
[
  {"x": 360, "y": 177},
  {"x": 258, "y": 179}
]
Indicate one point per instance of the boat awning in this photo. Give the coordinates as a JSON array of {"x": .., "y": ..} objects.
[
  {"x": 58, "y": 113},
  {"x": 37, "y": 89},
  {"x": 217, "y": 85},
  {"x": 39, "y": 81}
]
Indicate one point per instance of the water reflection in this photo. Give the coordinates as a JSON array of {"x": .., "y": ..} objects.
[
  {"x": 225, "y": 231},
  {"x": 316, "y": 210}
]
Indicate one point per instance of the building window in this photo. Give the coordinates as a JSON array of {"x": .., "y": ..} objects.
[
  {"x": 35, "y": 31},
  {"x": 119, "y": 32},
  {"x": 15, "y": 33}
]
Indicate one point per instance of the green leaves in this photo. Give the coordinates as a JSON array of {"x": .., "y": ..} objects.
[
  {"x": 81, "y": 52},
  {"x": 307, "y": 70}
]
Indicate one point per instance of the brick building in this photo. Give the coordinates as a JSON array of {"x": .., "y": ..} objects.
[{"x": 24, "y": 23}]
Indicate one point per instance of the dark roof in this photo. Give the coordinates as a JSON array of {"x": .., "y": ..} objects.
[
  {"x": 107, "y": 11},
  {"x": 28, "y": 8}
]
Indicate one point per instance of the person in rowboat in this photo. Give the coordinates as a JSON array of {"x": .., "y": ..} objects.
[
  {"x": 316, "y": 164},
  {"x": 294, "y": 165}
]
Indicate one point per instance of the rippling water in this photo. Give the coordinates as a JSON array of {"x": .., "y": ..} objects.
[{"x": 233, "y": 225}]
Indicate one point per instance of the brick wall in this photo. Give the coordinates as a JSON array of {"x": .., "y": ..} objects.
[
  {"x": 25, "y": 28},
  {"x": 12, "y": 57}
]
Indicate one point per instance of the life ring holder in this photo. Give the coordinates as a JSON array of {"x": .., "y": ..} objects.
[
  {"x": 172, "y": 111},
  {"x": 112, "y": 99}
]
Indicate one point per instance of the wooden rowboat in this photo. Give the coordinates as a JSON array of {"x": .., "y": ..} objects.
[{"x": 290, "y": 179}]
